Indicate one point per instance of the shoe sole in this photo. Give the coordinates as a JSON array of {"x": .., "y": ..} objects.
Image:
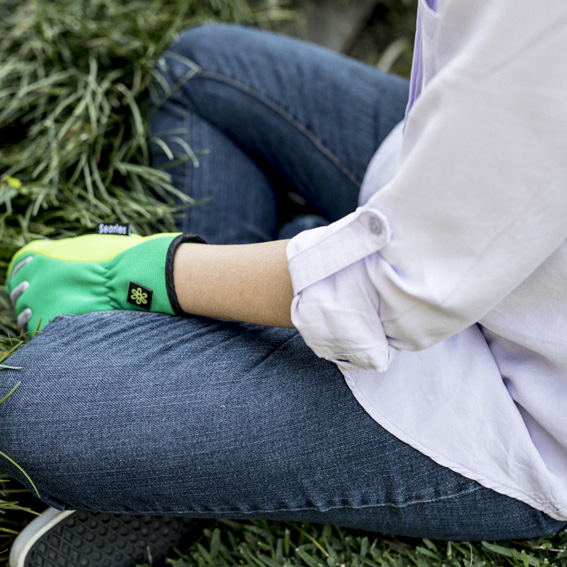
[{"x": 93, "y": 539}]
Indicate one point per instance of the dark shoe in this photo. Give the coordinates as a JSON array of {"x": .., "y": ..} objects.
[{"x": 93, "y": 539}]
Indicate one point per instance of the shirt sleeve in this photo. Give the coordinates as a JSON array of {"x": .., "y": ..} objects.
[{"x": 478, "y": 202}]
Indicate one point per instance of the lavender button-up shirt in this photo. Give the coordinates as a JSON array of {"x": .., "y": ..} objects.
[{"x": 443, "y": 297}]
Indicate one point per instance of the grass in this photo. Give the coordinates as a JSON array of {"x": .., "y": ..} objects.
[
  {"x": 272, "y": 544},
  {"x": 74, "y": 152}
]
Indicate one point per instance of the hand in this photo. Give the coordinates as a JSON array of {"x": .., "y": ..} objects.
[{"x": 91, "y": 273}]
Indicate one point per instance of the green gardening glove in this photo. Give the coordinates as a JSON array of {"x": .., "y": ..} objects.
[{"x": 96, "y": 272}]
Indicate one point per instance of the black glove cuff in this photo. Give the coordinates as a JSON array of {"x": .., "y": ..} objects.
[{"x": 169, "y": 284}]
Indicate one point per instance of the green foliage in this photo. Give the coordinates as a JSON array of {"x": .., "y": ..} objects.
[
  {"x": 386, "y": 39},
  {"x": 273, "y": 544}
]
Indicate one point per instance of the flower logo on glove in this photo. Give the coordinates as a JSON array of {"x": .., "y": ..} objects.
[{"x": 139, "y": 295}]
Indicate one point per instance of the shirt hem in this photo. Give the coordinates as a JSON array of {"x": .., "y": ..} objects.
[{"x": 557, "y": 513}]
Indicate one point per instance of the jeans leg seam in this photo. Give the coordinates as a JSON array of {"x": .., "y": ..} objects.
[
  {"x": 322, "y": 510},
  {"x": 311, "y": 136}
]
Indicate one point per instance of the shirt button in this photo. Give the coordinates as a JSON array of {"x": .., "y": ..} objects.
[{"x": 375, "y": 226}]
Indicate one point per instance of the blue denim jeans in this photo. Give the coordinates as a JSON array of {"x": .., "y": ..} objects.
[{"x": 145, "y": 413}]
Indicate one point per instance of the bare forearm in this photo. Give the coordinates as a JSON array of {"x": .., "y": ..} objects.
[{"x": 248, "y": 282}]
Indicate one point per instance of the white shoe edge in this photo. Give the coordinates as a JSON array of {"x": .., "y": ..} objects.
[{"x": 32, "y": 532}]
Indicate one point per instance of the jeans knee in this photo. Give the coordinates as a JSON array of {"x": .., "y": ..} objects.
[
  {"x": 183, "y": 59},
  {"x": 202, "y": 43},
  {"x": 201, "y": 48}
]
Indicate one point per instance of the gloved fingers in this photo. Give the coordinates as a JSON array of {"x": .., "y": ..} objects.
[
  {"x": 24, "y": 314},
  {"x": 21, "y": 305},
  {"x": 16, "y": 292},
  {"x": 24, "y": 318},
  {"x": 22, "y": 279},
  {"x": 13, "y": 279},
  {"x": 18, "y": 282},
  {"x": 18, "y": 298},
  {"x": 20, "y": 265}
]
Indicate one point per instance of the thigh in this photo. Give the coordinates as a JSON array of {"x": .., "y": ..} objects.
[
  {"x": 309, "y": 118},
  {"x": 235, "y": 201},
  {"x": 140, "y": 412}
]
